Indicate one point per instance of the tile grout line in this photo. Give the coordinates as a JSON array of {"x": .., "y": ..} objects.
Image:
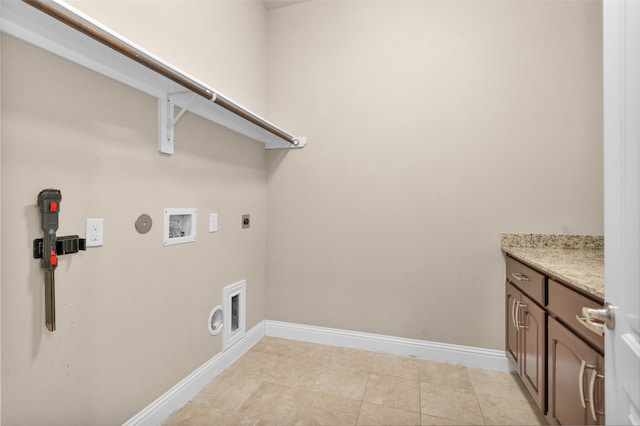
[
  {"x": 475, "y": 394},
  {"x": 366, "y": 385},
  {"x": 419, "y": 392}
]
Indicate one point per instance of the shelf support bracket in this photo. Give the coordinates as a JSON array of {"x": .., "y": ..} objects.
[{"x": 167, "y": 120}]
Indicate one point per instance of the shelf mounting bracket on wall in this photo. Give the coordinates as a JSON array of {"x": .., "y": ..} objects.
[
  {"x": 167, "y": 119},
  {"x": 57, "y": 27}
]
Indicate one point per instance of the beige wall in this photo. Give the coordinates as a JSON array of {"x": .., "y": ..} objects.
[
  {"x": 433, "y": 127},
  {"x": 222, "y": 43},
  {"x": 131, "y": 315}
]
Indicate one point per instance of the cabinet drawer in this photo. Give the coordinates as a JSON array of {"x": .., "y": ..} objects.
[
  {"x": 526, "y": 279},
  {"x": 565, "y": 304}
]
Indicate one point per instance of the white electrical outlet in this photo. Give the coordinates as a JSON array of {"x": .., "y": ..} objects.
[
  {"x": 213, "y": 222},
  {"x": 95, "y": 232}
]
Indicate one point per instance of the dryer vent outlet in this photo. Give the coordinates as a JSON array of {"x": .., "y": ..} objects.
[{"x": 234, "y": 304}]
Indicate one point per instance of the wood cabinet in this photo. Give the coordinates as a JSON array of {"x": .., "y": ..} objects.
[
  {"x": 560, "y": 361},
  {"x": 526, "y": 342},
  {"x": 576, "y": 385},
  {"x": 576, "y": 364}
]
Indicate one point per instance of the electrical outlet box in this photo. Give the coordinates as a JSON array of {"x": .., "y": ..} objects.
[{"x": 95, "y": 232}]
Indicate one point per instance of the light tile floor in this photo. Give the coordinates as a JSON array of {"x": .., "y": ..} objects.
[{"x": 286, "y": 382}]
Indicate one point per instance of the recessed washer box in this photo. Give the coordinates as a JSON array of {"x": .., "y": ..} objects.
[{"x": 179, "y": 226}]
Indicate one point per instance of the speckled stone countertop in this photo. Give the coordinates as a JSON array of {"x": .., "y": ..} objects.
[{"x": 577, "y": 260}]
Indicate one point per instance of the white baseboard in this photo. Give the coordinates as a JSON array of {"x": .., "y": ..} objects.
[
  {"x": 444, "y": 352},
  {"x": 160, "y": 409}
]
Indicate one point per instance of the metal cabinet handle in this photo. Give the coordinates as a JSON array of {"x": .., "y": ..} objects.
[
  {"x": 513, "y": 302},
  {"x": 523, "y": 325},
  {"x": 591, "y": 326},
  {"x": 592, "y": 397},
  {"x": 516, "y": 306},
  {"x": 520, "y": 276},
  {"x": 583, "y": 364}
]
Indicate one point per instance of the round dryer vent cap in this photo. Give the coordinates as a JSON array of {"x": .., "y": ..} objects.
[
  {"x": 143, "y": 223},
  {"x": 216, "y": 321}
]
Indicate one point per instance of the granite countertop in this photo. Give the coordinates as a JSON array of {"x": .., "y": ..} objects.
[{"x": 577, "y": 260}]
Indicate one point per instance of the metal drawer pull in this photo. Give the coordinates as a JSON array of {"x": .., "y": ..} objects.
[
  {"x": 520, "y": 276},
  {"x": 592, "y": 326}
]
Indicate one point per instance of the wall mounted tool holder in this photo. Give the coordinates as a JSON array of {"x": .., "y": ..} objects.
[
  {"x": 64, "y": 245},
  {"x": 50, "y": 247}
]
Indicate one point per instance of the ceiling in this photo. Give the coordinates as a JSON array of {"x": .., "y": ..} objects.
[{"x": 274, "y": 4}]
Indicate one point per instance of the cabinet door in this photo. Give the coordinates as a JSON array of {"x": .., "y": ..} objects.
[
  {"x": 572, "y": 363},
  {"x": 532, "y": 325},
  {"x": 512, "y": 342}
]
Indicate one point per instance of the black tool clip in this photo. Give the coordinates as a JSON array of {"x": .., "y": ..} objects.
[{"x": 64, "y": 245}]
